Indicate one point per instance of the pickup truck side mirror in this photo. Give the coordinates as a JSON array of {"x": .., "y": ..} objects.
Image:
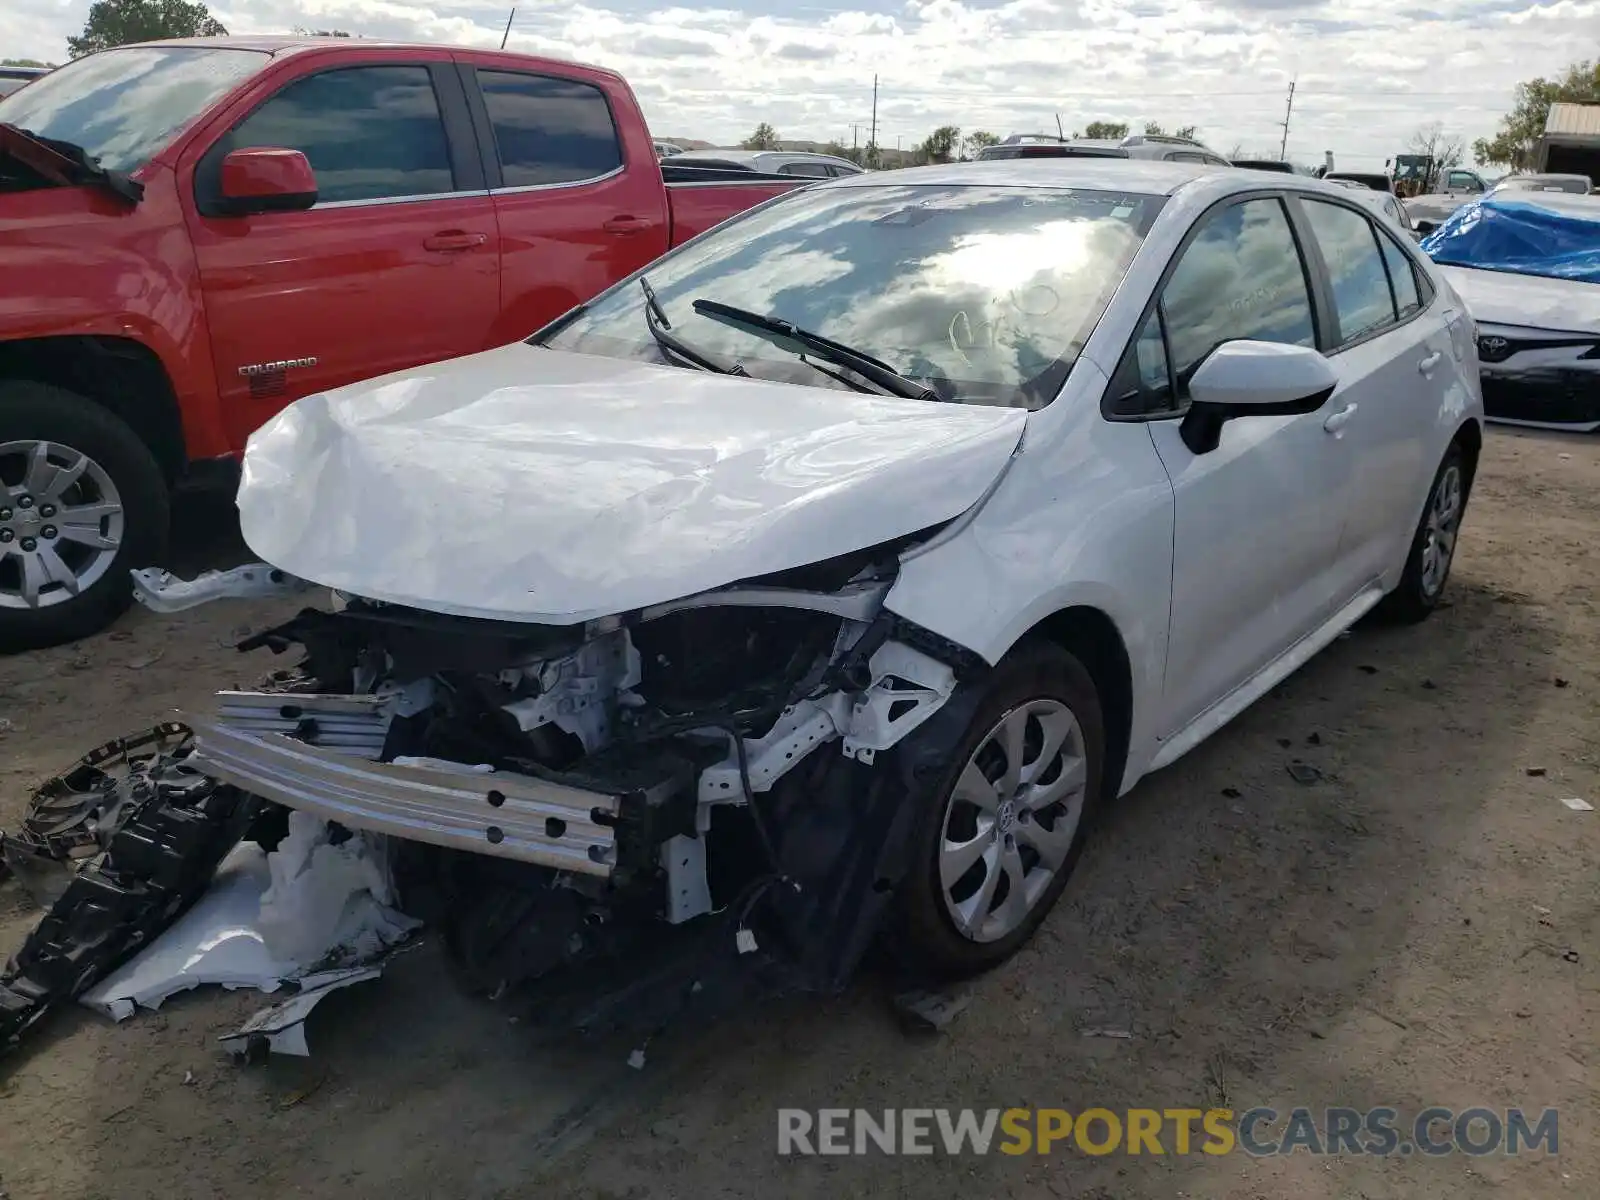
[
  {"x": 263, "y": 179},
  {"x": 1247, "y": 378}
]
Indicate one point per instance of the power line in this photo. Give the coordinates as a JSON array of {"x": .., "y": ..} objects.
[
  {"x": 1108, "y": 98},
  {"x": 1283, "y": 146}
]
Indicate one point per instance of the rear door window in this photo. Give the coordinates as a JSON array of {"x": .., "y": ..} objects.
[
  {"x": 1349, "y": 244},
  {"x": 1403, "y": 275},
  {"x": 549, "y": 130}
]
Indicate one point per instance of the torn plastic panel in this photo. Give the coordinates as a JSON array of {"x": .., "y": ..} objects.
[
  {"x": 315, "y": 907},
  {"x": 172, "y": 827}
]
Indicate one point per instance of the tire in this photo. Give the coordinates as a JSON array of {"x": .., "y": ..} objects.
[
  {"x": 929, "y": 937},
  {"x": 1422, "y": 581},
  {"x": 118, "y": 468}
]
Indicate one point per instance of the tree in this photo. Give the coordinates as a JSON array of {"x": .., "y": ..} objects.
[
  {"x": 118, "y": 22},
  {"x": 1107, "y": 129},
  {"x": 940, "y": 145},
  {"x": 1517, "y": 144},
  {"x": 24, "y": 62},
  {"x": 764, "y": 138},
  {"x": 840, "y": 150},
  {"x": 304, "y": 32},
  {"x": 1154, "y": 129},
  {"x": 977, "y": 140},
  {"x": 1445, "y": 150}
]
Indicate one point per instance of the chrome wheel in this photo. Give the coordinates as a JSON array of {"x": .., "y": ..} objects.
[
  {"x": 61, "y": 523},
  {"x": 1439, "y": 530},
  {"x": 1011, "y": 818}
]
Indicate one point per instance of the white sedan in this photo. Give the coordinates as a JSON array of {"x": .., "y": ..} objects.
[{"x": 828, "y": 573}]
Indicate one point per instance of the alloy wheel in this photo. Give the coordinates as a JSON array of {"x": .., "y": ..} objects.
[
  {"x": 61, "y": 523},
  {"x": 1011, "y": 818}
]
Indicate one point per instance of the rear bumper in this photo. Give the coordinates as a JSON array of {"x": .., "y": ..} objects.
[{"x": 497, "y": 813}]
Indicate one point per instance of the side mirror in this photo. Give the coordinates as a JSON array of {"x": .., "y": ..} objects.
[
  {"x": 1253, "y": 379},
  {"x": 262, "y": 179}
]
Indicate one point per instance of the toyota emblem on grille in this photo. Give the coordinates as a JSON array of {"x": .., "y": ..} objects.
[{"x": 1492, "y": 348}]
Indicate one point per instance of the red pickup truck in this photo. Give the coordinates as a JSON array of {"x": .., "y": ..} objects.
[{"x": 195, "y": 233}]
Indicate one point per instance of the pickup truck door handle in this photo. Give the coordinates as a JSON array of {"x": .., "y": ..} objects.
[
  {"x": 1339, "y": 419},
  {"x": 626, "y": 225},
  {"x": 1430, "y": 362},
  {"x": 449, "y": 240}
]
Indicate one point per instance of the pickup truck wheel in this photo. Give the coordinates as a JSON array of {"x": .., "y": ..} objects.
[
  {"x": 82, "y": 502},
  {"x": 1002, "y": 830}
]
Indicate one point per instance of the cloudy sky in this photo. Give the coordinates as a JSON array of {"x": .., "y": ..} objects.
[{"x": 1370, "y": 72}]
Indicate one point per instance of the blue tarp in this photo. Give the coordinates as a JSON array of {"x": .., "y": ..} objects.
[{"x": 1557, "y": 236}]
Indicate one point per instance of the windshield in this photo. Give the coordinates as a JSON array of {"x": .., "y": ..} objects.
[
  {"x": 986, "y": 294},
  {"x": 122, "y": 106}
]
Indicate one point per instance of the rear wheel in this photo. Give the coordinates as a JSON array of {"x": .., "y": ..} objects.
[
  {"x": 1003, "y": 829},
  {"x": 82, "y": 502},
  {"x": 1433, "y": 545}
]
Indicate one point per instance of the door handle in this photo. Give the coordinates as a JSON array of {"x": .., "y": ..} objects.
[
  {"x": 453, "y": 239},
  {"x": 1340, "y": 419},
  {"x": 1430, "y": 362},
  {"x": 626, "y": 225}
]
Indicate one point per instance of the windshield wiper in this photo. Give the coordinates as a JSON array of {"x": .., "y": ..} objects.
[
  {"x": 65, "y": 162},
  {"x": 655, "y": 319},
  {"x": 801, "y": 342}
]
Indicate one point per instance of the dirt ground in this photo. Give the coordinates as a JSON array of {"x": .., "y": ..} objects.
[{"x": 1419, "y": 927}]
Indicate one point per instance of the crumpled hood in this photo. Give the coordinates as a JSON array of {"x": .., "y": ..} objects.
[
  {"x": 1530, "y": 301},
  {"x": 526, "y": 484}
]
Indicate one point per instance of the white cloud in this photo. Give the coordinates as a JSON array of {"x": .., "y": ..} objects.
[{"x": 1369, "y": 72}]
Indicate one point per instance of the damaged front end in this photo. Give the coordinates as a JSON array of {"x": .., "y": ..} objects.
[{"x": 642, "y": 794}]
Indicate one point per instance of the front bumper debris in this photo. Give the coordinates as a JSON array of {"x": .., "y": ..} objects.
[
  {"x": 174, "y": 827},
  {"x": 162, "y": 592},
  {"x": 497, "y": 813}
]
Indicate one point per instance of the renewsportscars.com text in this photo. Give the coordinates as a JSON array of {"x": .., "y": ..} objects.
[{"x": 1259, "y": 1132}]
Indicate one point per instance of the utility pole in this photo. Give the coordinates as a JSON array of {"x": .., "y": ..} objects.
[
  {"x": 1283, "y": 146},
  {"x": 507, "y": 33},
  {"x": 872, "y": 138}
]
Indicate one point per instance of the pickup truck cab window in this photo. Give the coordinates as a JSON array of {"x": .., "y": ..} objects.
[
  {"x": 370, "y": 133},
  {"x": 548, "y": 130},
  {"x": 122, "y": 106}
]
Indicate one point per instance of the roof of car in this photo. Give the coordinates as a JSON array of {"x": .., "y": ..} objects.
[
  {"x": 1204, "y": 182},
  {"x": 1100, "y": 174},
  {"x": 291, "y": 43}
]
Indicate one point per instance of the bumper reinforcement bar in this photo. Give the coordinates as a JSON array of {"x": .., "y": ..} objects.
[{"x": 491, "y": 812}]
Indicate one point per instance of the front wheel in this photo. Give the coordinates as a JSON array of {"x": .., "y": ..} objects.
[
  {"x": 1002, "y": 830},
  {"x": 1433, "y": 546},
  {"x": 82, "y": 502}
]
